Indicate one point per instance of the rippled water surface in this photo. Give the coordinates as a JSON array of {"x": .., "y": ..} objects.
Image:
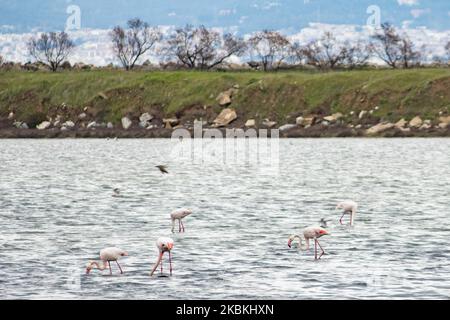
[{"x": 57, "y": 212}]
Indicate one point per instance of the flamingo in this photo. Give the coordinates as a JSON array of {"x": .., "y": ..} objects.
[
  {"x": 164, "y": 245},
  {"x": 179, "y": 215},
  {"x": 308, "y": 234},
  {"x": 349, "y": 207},
  {"x": 106, "y": 256}
]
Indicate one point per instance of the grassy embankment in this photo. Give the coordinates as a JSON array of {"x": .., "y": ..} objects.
[{"x": 278, "y": 96}]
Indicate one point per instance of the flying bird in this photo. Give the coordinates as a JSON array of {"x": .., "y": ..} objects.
[
  {"x": 324, "y": 223},
  {"x": 163, "y": 169},
  {"x": 310, "y": 233},
  {"x": 116, "y": 192},
  {"x": 350, "y": 208},
  {"x": 106, "y": 256},
  {"x": 179, "y": 215},
  {"x": 164, "y": 245}
]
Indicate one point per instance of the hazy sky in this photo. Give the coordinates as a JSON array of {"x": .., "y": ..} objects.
[{"x": 20, "y": 16}]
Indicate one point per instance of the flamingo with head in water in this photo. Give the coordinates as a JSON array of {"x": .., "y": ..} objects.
[
  {"x": 106, "y": 256},
  {"x": 350, "y": 208},
  {"x": 179, "y": 215},
  {"x": 164, "y": 245},
  {"x": 311, "y": 233}
]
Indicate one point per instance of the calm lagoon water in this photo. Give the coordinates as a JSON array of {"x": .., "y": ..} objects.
[{"x": 57, "y": 212}]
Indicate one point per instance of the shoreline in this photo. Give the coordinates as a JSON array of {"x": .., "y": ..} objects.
[{"x": 295, "y": 133}]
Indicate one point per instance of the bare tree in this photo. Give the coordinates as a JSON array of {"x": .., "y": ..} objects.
[
  {"x": 271, "y": 48},
  {"x": 409, "y": 56},
  {"x": 51, "y": 48},
  {"x": 447, "y": 48},
  {"x": 356, "y": 55},
  {"x": 130, "y": 44},
  {"x": 386, "y": 45},
  {"x": 201, "y": 48},
  {"x": 325, "y": 53}
]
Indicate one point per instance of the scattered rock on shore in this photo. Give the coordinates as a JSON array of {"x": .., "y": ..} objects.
[
  {"x": 379, "y": 128},
  {"x": 224, "y": 98},
  {"x": 269, "y": 124},
  {"x": 171, "y": 122},
  {"x": 401, "y": 124},
  {"x": 287, "y": 127},
  {"x": 444, "y": 122},
  {"x": 250, "y": 123},
  {"x": 225, "y": 117},
  {"x": 416, "y": 122},
  {"x": 334, "y": 117},
  {"x": 44, "y": 125},
  {"x": 126, "y": 123}
]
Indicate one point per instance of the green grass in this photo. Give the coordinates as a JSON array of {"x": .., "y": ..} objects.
[{"x": 397, "y": 93}]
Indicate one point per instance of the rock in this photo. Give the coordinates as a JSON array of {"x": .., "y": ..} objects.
[
  {"x": 299, "y": 121},
  {"x": 44, "y": 125},
  {"x": 225, "y": 97},
  {"x": 146, "y": 117},
  {"x": 250, "y": 123},
  {"x": 64, "y": 129},
  {"x": 269, "y": 124},
  {"x": 358, "y": 126},
  {"x": 333, "y": 118},
  {"x": 225, "y": 117},
  {"x": 362, "y": 114},
  {"x": 425, "y": 126},
  {"x": 352, "y": 113},
  {"x": 20, "y": 125},
  {"x": 287, "y": 127},
  {"x": 126, "y": 123},
  {"x": 416, "y": 122},
  {"x": 11, "y": 116},
  {"x": 82, "y": 116},
  {"x": 110, "y": 125},
  {"x": 92, "y": 124},
  {"x": 401, "y": 123},
  {"x": 68, "y": 124},
  {"x": 309, "y": 121},
  {"x": 444, "y": 122},
  {"x": 379, "y": 128},
  {"x": 171, "y": 122},
  {"x": 325, "y": 123}
]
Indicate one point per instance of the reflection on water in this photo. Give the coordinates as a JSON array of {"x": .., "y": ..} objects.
[{"x": 57, "y": 212}]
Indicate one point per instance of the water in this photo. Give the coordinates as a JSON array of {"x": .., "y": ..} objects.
[{"x": 57, "y": 212}]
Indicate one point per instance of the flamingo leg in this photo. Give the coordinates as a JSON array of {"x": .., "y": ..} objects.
[
  {"x": 315, "y": 249},
  {"x": 170, "y": 262},
  {"x": 179, "y": 225},
  {"x": 110, "y": 270},
  {"x": 121, "y": 271},
  {"x": 161, "y": 262},
  {"x": 340, "y": 220},
  {"x": 323, "y": 251},
  {"x": 182, "y": 225}
]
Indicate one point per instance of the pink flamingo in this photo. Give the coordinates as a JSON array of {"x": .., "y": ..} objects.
[
  {"x": 106, "y": 256},
  {"x": 308, "y": 234},
  {"x": 164, "y": 245},
  {"x": 350, "y": 208},
  {"x": 179, "y": 215}
]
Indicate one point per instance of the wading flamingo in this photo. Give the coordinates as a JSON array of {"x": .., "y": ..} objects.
[
  {"x": 164, "y": 245},
  {"x": 311, "y": 233},
  {"x": 350, "y": 208},
  {"x": 106, "y": 256},
  {"x": 179, "y": 215}
]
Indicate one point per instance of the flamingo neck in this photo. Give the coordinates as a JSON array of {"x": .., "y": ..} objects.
[
  {"x": 300, "y": 243},
  {"x": 157, "y": 263},
  {"x": 96, "y": 265}
]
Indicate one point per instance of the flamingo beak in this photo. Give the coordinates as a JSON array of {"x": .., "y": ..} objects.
[
  {"x": 88, "y": 271},
  {"x": 290, "y": 243},
  {"x": 170, "y": 246}
]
